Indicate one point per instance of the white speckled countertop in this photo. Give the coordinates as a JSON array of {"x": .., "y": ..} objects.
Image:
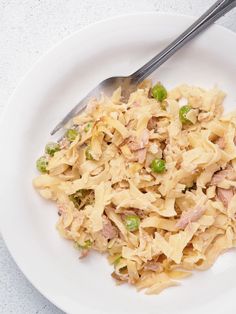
[{"x": 28, "y": 29}]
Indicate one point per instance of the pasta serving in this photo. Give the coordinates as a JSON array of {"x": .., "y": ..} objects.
[{"x": 149, "y": 181}]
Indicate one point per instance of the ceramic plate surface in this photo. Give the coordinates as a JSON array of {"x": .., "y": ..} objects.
[{"x": 62, "y": 77}]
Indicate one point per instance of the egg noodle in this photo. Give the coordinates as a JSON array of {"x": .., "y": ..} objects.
[{"x": 149, "y": 181}]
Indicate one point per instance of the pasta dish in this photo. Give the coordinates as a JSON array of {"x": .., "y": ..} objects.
[{"x": 150, "y": 181}]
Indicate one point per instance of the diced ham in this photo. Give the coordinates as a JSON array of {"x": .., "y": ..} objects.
[
  {"x": 134, "y": 144},
  {"x": 109, "y": 231},
  {"x": 190, "y": 216},
  {"x": 153, "y": 266},
  {"x": 141, "y": 154},
  {"x": 220, "y": 142},
  {"x": 225, "y": 195},
  {"x": 231, "y": 175},
  {"x": 152, "y": 123},
  {"x": 228, "y": 174},
  {"x": 138, "y": 146},
  {"x": 119, "y": 277},
  {"x": 218, "y": 177}
]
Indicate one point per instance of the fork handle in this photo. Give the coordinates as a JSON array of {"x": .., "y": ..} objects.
[{"x": 216, "y": 11}]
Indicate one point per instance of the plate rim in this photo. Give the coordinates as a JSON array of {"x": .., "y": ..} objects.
[{"x": 54, "y": 300}]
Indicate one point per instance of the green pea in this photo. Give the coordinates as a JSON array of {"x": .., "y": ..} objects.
[
  {"x": 132, "y": 222},
  {"x": 88, "y": 154},
  {"x": 88, "y": 127},
  {"x": 158, "y": 165},
  {"x": 77, "y": 197},
  {"x": 71, "y": 134},
  {"x": 117, "y": 260},
  {"x": 182, "y": 114},
  {"x": 42, "y": 164},
  {"x": 51, "y": 148},
  {"x": 87, "y": 245},
  {"x": 159, "y": 92}
]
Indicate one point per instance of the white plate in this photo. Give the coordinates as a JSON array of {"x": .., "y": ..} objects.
[{"x": 113, "y": 47}]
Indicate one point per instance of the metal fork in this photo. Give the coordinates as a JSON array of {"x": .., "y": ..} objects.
[{"x": 129, "y": 83}]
